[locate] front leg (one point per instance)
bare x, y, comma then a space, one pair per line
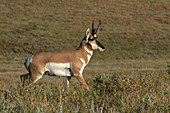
68, 83
81, 79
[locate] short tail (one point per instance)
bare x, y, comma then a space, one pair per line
28, 61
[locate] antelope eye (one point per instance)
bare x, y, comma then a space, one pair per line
91, 39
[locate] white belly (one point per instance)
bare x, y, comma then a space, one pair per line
60, 69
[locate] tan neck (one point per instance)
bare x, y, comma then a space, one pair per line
85, 48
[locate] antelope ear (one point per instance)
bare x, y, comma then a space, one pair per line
87, 34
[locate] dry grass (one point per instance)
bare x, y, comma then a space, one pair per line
113, 93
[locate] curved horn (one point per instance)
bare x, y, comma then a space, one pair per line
93, 30
98, 28
92, 24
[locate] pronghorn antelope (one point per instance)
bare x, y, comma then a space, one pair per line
66, 63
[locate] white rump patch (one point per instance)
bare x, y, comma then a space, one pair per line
60, 69
28, 62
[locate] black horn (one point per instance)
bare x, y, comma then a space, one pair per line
98, 28
93, 30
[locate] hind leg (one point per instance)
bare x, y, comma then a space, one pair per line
36, 72
24, 77
35, 77
32, 79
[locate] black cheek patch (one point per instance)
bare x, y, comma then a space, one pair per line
100, 45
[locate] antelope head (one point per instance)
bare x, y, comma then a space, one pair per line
92, 39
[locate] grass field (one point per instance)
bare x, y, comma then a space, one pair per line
131, 75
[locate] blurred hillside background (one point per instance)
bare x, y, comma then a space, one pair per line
132, 30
